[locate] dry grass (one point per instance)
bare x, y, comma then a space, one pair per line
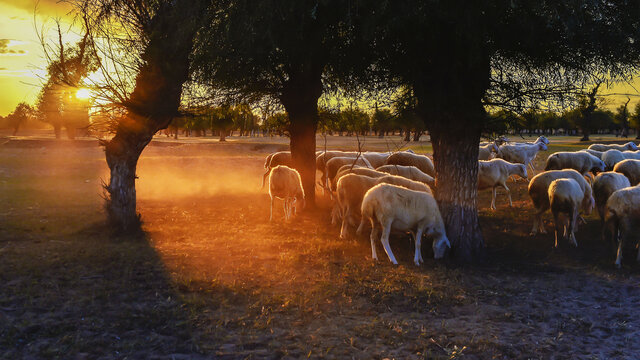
214, 278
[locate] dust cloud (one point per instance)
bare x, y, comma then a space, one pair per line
170, 177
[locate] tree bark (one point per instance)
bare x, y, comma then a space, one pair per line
455, 154
223, 136
585, 134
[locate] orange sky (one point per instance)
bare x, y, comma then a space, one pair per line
22, 64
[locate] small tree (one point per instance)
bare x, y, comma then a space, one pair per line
634, 120
22, 114
622, 118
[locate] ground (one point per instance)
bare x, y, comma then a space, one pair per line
213, 278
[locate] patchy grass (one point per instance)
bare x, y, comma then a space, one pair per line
213, 278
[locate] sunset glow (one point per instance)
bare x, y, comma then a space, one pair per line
83, 94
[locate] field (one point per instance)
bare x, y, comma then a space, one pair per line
213, 278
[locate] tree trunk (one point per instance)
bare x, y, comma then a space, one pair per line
57, 130
300, 100
152, 105
455, 153
223, 136
585, 134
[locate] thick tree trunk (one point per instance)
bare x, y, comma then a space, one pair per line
122, 153
223, 135
300, 100
455, 154
585, 134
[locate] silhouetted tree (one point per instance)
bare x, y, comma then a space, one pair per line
635, 119
622, 118
22, 114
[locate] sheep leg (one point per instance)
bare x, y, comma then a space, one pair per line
417, 258
335, 214
271, 210
538, 226
619, 255
373, 237
508, 193
343, 228
572, 227
493, 198
384, 239
556, 223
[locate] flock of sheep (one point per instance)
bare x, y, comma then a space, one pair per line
394, 191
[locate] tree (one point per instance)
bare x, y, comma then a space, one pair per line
284, 50
622, 118
155, 41
458, 57
20, 116
635, 120
587, 107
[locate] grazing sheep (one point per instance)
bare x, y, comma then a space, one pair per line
595, 153
323, 158
611, 158
622, 217
285, 184
376, 159
629, 168
580, 161
635, 155
409, 172
494, 173
602, 147
539, 192
351, 189
275, 159
605, 184
486, 152
522, 153
392, 207
336, 163
566, 197
422, 162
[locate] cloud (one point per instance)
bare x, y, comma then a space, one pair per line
5, 47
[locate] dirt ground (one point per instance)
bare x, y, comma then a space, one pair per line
213, 278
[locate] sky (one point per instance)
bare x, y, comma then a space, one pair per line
22, 61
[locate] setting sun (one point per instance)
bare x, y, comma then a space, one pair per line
83, 94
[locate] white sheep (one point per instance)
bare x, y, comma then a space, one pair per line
409, 172
324, 157
352, 187
285, 184
566, 198
539, 192
494, 173
522, 153
582, 162
611, 158
486, 152
622, 217
422, 162
336, 212
541, 139
605, 184
595, 153
392, 207
376, 159
274, 159
602, 147
629, 168
336, 163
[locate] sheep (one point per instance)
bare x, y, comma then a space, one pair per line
611, 158
629, 168
352, 187
635, 155
605, 184
602, 147
566, 196
486, 152
376, 159
336, 163
595, 153
275, 159
422, 162
541, 139
622, 217
539, 192
323, 158
522, 153
409, 172
494, 173
285, 183
580, 161
396, 208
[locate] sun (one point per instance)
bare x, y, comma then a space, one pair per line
83, 94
